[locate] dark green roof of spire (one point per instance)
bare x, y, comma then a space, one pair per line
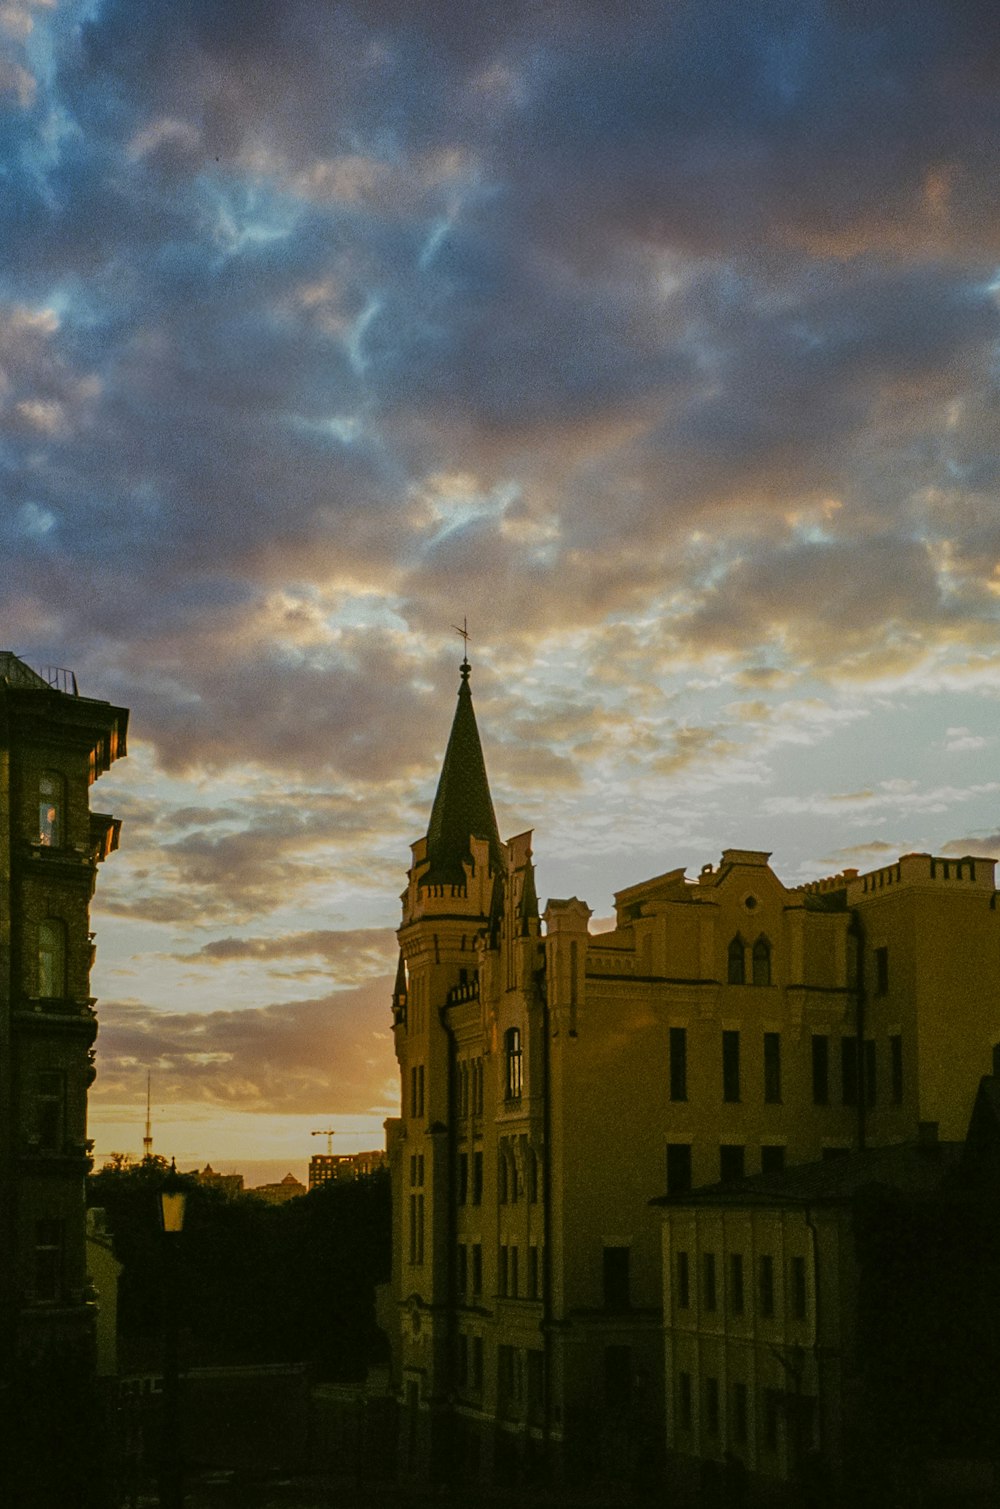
463, 807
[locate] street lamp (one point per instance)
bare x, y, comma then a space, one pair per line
173, 1198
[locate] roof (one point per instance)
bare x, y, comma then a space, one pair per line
463, 807
909, 1167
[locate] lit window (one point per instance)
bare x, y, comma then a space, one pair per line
51, 790
515, 1063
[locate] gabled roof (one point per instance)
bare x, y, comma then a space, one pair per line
463, 807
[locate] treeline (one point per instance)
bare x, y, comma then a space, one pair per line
255, 1282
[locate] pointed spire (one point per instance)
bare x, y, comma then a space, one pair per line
463, 807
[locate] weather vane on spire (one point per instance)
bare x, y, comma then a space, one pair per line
464, 631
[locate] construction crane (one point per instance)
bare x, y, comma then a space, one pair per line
329, 1133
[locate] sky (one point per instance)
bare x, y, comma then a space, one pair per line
658, 339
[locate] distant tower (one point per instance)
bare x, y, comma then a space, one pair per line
147, 1141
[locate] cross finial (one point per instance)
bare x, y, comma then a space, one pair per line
464, 631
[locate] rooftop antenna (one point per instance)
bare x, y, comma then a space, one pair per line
464, 631
147, 1141
328, 1133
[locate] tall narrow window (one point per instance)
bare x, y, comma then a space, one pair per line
49, 1240
772, 1067
799, 1296
462, 1270
896, 1067
730, 1066
766, 1276
52, 957
616, 1278
881, 971
678, 1167
821, 1069
514, 1062
870, 1071
51, 801
736, 1283
737, 962
683, 1281
849, 1071
740, 1414
477, 1268
503, 1269
708, 1289
534, 1289
712, 1406
678, 1063
732, 1161
477, 1178
50, 1103
684, 1401
762, 961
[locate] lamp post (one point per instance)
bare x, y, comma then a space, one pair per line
173, 1198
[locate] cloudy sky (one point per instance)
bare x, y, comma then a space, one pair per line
660, 339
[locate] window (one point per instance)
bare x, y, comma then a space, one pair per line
848, 1071
476, 1379
762, 961
712, 1406
534, 1288
678, 1167
881, 971
462, 1360
463, 1178
514, 1062
616, 1278
416, 1230
736, 1283
50, 1100
417, 1090
684, 1401
678, 1063
896, 1068
507, 1375
617, 1377
821, 1069
766, 1273
515, 1287
772, 1403
740, 1414
708, 1290
870, 1063
51, 800
477, 1087
772, 1067
683, 1281
462, 1271
477, 1178
477, 1268
503, 1270
536, 1387
799, 1288
52, 958
736, 965
772, 1159
49, 1239
732, 1161
730, 1066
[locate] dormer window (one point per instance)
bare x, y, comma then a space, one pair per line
51, 804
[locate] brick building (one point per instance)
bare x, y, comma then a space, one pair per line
54, 744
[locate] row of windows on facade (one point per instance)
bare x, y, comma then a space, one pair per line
850, 1078
740, 1412
520, 1373
732, 1162
760, 964
736, 1296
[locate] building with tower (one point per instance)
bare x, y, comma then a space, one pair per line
53, 745
555, 1082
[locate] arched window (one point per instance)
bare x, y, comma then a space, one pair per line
762, 961
737, 962
52, 957
514, 1062
51, 803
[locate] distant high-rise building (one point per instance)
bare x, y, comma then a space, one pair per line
331, 1168
53, 746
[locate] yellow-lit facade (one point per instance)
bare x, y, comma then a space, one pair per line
554, 1082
